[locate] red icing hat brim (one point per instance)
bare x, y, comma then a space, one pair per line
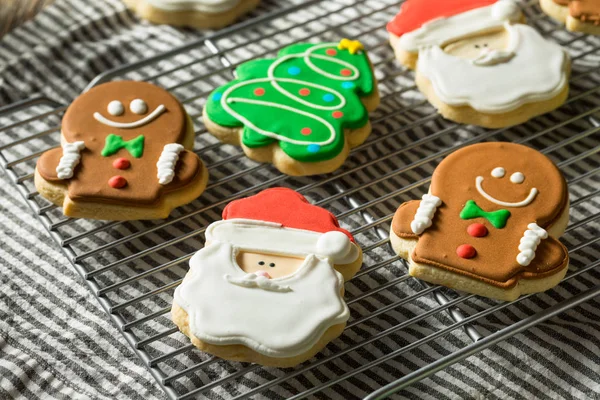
286, 207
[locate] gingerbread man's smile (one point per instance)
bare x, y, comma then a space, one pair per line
517, 177
137, 106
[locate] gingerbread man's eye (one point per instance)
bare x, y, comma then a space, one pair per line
138, 106
115, 108
498, 172
517, 177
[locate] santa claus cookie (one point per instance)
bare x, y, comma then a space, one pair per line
123, 155
302, 111
476, 64
489, 224
268, 286
202, 14
578, 15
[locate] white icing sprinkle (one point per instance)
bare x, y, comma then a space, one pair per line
517, 177
69, 160
529, 243
425, 212
498, 172
166, 162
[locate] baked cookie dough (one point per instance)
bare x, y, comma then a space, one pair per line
268, 286
201, 14
577, 15
124, 155
489, 224
476, 64
302, 111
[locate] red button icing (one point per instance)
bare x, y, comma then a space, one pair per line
466, 251
117, 182
121, 163
477, 230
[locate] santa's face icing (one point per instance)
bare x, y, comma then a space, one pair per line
483, 50
268, 265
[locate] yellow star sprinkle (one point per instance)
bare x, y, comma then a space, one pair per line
353, 46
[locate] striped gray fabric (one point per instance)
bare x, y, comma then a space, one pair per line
56, 342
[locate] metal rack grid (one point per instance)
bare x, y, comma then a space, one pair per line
133, 267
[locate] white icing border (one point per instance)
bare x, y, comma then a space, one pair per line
69, 159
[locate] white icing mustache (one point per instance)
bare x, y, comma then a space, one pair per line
492, 57
257, 281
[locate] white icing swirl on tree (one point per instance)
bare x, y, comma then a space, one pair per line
166, 162
425, 212
529, 243
69, 160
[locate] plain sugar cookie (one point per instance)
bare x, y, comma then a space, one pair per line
476, 64
489, 224
577, 15
124, 155
201, 14
268, 286
302, 111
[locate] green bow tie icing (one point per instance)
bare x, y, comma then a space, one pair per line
302, 100
115, 143
496, 218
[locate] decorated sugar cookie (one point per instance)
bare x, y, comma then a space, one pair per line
268, 286
578, 15
489, 224
476, 64
124, 155
302, 111
202, 14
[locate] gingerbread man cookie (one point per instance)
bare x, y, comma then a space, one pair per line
268, 286
477, 64
302, 111
578, 15
123, 156
489, 224
201, 14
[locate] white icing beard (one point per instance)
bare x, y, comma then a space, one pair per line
535, 72
207, 6
227, 306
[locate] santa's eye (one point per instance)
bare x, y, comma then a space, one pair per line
261, 263
476, 46
115, 108
272, 265
138, 106
517, 177
485, 45
498, 172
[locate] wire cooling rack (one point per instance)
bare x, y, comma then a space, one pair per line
133, 267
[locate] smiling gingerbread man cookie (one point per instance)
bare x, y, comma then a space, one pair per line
577, 15
123, 155
268, 286
489, 224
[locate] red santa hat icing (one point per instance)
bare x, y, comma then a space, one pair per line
436, 22
281, 221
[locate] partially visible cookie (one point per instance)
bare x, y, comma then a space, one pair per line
302, 111
578, 15
201, 14
489, 224
125, 155
268, 286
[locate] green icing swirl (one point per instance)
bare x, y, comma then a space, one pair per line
304, 99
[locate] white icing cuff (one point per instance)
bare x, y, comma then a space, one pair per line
166, 162
529, 243
69, 160
425, 213
273, 238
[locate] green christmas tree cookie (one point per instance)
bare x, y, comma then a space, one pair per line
302, 110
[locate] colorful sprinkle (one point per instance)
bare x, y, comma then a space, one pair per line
304, 92
306, 131
337, 114
477, 230
313, 148
294, 70
117, 182
328, 97
331, 52
346, 72
466, 251
348, 85
217, 96
121, 163
259, 91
